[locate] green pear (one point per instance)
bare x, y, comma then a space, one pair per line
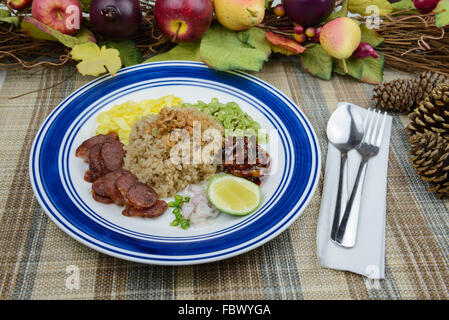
239, 14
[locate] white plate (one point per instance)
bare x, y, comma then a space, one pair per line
57, 175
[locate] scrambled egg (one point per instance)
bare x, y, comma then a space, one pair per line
120, 118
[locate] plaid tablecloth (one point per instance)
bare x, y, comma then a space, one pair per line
37, 258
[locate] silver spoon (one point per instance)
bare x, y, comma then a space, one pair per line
345, 131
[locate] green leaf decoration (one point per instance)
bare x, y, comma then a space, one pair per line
317, 62
370, 36
129, 54
5, 16
368, 70
373, 69
255, 38
368, 7
355, 67
222, 49
4, 13
85, 35
85, 5
403, 5
188, 51
38, 30
338, 68
11, 20
96, 61
34, 32
268, 3
278, 49
442, 14
341, 12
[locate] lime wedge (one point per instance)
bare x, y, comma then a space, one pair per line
234, 195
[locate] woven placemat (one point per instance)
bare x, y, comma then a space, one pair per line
38, 261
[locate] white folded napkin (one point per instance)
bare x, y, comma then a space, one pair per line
367, 257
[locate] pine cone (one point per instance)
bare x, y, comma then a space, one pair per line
404, 95
430, 157
432, 114
397, 95
428, 81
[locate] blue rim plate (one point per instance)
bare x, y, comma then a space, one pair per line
56, 174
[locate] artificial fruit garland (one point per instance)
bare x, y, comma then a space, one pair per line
244, 35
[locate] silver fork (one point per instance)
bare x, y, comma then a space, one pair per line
368, 148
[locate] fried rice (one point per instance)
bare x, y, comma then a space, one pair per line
149, 153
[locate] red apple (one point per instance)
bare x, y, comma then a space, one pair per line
184, 20
19, 4
62, 15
